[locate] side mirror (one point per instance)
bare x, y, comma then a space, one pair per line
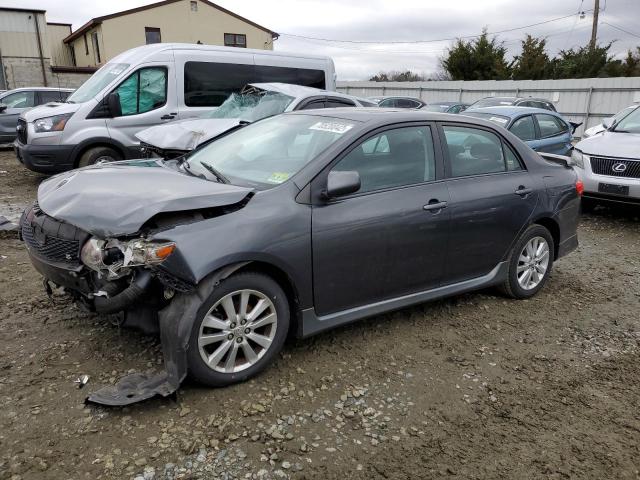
607, 123
113, 102
342, 183
3, 107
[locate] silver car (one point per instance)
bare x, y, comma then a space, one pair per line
609, 163
14, 102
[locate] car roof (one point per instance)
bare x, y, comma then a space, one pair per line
40, 89
512, 111
299, 91
446, 103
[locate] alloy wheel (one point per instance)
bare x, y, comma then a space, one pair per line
533, 263
237, 331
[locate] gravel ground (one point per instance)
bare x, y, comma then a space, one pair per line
475, 386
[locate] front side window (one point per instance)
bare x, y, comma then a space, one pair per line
24, 99
269, 152
99, 80
143, 91
524, 129
473, 151
388, 103
235, 40
630, 123
152, 35
550, 125
52, 96
395, 158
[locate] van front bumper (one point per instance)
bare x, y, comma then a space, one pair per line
44, 158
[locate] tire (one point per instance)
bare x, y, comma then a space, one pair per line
512, 286
95, 154
225, 339
587, 205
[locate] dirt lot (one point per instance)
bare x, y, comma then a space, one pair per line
471, 387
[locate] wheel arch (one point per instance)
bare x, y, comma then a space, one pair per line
82, 147
554, 229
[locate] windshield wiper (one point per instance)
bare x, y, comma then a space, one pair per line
221, 178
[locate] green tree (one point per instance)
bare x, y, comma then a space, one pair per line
584, 62
479, 59
406, 76
631, 64
533, 63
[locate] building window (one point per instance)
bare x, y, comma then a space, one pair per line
86, 45
194, 6
96, 47
235, 40
72, 52
152, 35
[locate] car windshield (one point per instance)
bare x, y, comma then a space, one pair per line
493, 102
492, 117
623, 113
436, 108
252, 106
97, 82
269, 152
630, 123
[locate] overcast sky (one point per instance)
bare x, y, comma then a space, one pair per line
396, 21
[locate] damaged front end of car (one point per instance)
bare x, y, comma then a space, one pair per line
115, 255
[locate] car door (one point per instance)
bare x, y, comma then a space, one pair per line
555, 134
15, 104
492, 198
147, 98
389, 238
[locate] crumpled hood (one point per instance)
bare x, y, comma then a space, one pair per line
118, 198
611, 144
48, 110
186, 134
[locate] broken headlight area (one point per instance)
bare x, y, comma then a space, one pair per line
115, 258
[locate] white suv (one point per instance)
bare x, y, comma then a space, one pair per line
609, 163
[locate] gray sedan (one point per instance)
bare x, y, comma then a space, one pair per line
296, 224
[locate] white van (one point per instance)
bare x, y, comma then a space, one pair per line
147, 86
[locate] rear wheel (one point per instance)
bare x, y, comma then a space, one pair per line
98, 154
530, 263
239, 330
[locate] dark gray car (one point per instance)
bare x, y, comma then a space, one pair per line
14, 102
296, 224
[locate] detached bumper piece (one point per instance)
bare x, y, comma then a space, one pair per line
134, 388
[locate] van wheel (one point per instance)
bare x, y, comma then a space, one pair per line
98, 154
239, 330
530, 263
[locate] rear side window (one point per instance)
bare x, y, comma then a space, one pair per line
406, 103
143, 91
523, 128
208, 84
52, 96
474, 152
550, 125
395, 158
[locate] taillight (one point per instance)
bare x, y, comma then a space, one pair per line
580, 187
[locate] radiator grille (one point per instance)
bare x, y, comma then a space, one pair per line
615, 167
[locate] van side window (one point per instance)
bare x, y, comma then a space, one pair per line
208, 84
143, 91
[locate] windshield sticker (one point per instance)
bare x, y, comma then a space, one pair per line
332, 127
278, 177
498, 120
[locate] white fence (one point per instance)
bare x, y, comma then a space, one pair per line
586, 100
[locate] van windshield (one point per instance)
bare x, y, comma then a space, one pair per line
97, 82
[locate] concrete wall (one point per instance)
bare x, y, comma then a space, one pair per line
586, 100
26, 72
60, 52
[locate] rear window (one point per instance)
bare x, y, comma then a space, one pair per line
493, 102
209, 84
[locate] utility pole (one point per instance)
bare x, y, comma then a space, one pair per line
594, 28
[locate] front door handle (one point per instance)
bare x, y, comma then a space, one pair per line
523, 191
434, 205
168, 117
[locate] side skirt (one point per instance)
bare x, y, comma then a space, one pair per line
313, 324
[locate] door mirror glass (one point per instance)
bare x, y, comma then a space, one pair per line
113, 101
342, 183
607, 122
3, 107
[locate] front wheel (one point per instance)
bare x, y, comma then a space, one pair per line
239, 330
530, 263
98, 155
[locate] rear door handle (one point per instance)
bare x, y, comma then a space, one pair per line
523, 191
168, 117
434, 205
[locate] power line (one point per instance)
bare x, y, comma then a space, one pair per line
432, 40
622, 30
